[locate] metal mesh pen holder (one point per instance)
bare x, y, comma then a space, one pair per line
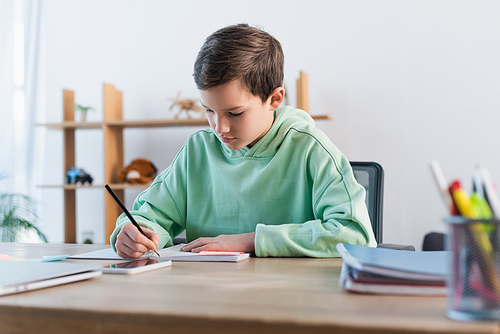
474, 280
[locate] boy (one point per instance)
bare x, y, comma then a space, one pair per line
263, 179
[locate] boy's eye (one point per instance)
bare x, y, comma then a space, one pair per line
208, 110
236, 115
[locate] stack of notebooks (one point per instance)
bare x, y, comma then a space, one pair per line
393, 272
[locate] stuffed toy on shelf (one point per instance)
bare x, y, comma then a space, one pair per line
138, 171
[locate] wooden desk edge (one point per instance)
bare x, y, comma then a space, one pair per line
24, 319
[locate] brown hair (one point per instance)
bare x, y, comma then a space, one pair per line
240, 52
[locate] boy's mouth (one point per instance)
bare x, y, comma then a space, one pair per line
227, 140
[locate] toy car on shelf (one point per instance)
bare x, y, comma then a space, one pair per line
75, 175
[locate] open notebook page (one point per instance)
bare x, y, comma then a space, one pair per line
170, 253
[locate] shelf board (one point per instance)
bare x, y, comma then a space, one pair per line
128, 185
161, 123
72, 125
158, 123
117, 186
321, 117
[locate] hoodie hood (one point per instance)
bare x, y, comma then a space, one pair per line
285, 119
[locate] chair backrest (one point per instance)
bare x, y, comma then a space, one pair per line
371, 176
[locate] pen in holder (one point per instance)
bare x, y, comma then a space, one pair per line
474, 280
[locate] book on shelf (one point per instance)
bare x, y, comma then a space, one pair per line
388, 271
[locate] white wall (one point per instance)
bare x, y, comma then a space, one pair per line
405, 81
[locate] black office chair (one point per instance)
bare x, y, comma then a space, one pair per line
371, 176
434, 241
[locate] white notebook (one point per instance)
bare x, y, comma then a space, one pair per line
20, 276
171, 253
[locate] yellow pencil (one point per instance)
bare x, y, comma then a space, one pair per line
462, 201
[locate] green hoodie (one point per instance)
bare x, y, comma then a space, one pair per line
294, 188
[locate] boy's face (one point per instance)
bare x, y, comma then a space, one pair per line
239, 118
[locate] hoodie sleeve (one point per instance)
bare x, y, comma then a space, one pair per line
339, 208
156, 208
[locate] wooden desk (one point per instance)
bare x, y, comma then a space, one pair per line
255, 296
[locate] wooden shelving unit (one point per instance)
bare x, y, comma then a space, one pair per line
112, 127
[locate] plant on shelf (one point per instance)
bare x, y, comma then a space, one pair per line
18, 215
83, 111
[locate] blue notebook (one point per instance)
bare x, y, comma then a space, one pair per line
431, 266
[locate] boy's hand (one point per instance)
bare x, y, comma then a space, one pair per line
244, 242
130, 243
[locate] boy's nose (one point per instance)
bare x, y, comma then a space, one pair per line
222, 125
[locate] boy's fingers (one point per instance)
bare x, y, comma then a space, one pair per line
125, 247
196, 244
137, 237
207, 247
154, 237
187, 247
136, 247
148, 232
127, 252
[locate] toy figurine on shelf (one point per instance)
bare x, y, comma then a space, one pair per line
186, 105
75, 175
138, 171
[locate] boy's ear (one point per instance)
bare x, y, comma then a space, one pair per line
276, 97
